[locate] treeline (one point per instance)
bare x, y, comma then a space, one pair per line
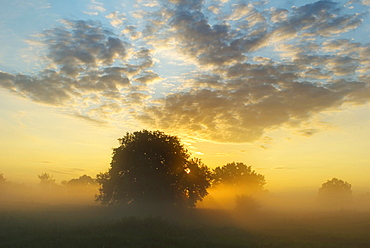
152, 169
77, 191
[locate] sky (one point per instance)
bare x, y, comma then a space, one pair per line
282, 86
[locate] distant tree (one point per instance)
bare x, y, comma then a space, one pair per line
2, 179
246, 204
335, 194
84, 181
80, 190
150, 167
46, 180
239, 174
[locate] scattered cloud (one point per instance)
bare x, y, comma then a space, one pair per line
90, 13
86, 61
253, 71
151, 3
242, 98
97, 6
116, 19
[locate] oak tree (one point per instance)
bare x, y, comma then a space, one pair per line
151, 167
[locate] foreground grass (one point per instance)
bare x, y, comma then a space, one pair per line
93, 227
127, 232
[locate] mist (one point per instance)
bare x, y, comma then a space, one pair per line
222, 197
67, 212
25, 197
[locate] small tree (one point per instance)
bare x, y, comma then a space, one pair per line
82, 181
240, 175
237, 183
46, 180
245, 204
81, 190
335, 194
153, 168
2, 179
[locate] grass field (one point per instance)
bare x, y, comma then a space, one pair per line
93, 226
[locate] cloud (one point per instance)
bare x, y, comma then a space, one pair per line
137, 98
63, 172
242, 111
46, 88
238, 96
309, 132
214, 9
252, 71
88, 64
279, 15
90, 13
67, 171
151, 3
74, 51
148, 77
89, 119
97, 6
116, 19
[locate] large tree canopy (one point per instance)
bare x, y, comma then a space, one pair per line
152, 167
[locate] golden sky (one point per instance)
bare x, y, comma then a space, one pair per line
283, 87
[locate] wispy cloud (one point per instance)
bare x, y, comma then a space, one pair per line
90, 13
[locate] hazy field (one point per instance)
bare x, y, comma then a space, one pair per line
69, 217
95, 226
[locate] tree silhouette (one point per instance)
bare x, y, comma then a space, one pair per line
46, 180
83, 181
2, 178
239, 174
335, 194
150, 167
246, 205
80, 190
82, 185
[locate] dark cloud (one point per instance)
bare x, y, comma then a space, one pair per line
80, 44
86, 61
147, 77
243, 110
195, 37
47, 87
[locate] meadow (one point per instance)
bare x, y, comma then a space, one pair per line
96, 226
